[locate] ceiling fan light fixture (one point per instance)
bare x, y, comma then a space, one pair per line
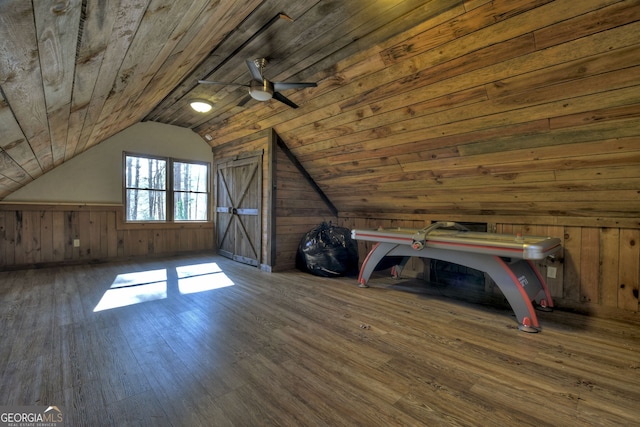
261, 91
200, 105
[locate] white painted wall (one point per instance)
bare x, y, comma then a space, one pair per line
95, 176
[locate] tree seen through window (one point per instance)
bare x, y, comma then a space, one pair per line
190, 191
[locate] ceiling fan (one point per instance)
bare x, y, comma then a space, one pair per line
262, 89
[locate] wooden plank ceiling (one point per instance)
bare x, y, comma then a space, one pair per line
519, 107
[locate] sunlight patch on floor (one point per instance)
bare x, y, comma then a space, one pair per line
134, 288
140, 278
201, 277
143, 286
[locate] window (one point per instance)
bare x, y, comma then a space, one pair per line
190, 191
147, 183
146, 188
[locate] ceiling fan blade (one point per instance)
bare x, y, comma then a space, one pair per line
254, 70
280, 97
278, 86
210, 82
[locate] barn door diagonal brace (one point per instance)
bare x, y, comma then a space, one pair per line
246, 186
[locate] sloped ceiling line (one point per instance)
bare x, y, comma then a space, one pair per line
305, 174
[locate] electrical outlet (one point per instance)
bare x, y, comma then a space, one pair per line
551, 272
76, 243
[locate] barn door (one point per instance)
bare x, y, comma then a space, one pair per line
238, 202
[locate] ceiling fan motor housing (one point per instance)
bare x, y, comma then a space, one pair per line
261, 91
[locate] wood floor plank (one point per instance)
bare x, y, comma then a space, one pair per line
280, 401
140, 410
174, 385
352, 396
119, 373
238, 408
290, 348
320, 395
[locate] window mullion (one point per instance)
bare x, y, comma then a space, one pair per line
170, 191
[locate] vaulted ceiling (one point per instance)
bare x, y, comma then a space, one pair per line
513, 107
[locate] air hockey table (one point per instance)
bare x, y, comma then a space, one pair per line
507, 259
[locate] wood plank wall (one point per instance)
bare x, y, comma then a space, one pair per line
33, 235
597, 270
298, 209
523, 107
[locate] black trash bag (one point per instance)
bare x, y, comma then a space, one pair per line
328, 251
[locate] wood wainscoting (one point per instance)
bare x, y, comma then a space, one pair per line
244, 347
41, 234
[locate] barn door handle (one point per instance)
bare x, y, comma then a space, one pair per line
234, 211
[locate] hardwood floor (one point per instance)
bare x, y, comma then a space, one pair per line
227, 344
